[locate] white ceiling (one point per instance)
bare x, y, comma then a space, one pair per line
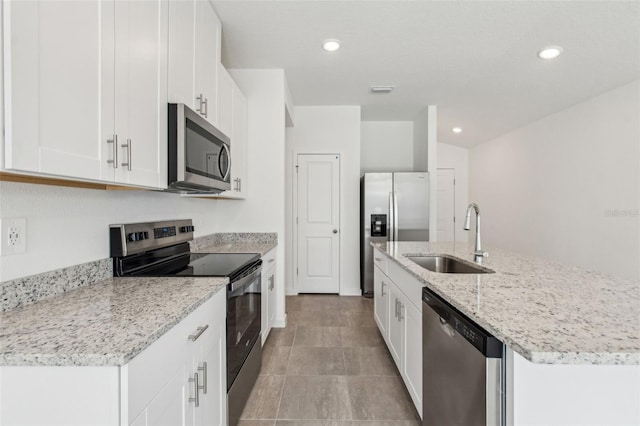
475, 60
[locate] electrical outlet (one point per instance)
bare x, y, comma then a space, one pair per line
14, 236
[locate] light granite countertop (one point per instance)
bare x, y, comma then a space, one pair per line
545, 311
104, 324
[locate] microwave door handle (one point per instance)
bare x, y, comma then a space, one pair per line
225, 173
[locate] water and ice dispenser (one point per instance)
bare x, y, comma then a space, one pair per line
378, 225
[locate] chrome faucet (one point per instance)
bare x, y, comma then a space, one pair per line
478, 253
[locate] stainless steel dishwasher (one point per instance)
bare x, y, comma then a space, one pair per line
462, 369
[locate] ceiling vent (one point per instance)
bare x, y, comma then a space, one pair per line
381, 89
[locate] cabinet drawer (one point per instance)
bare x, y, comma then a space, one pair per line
269, 259
380, 260
407, 283
150, 371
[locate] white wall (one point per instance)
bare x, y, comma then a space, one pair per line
331, 129
457, 158
420, 140
68, 226
263, 210
386, 146
568, 186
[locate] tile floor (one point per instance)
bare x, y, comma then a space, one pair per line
328, 367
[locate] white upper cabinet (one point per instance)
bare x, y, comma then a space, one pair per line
56, 99
225, 102
194, 54
141, 92
81, 80
233, 116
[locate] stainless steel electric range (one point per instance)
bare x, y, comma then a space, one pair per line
162, 249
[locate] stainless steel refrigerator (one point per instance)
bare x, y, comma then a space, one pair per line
393, 207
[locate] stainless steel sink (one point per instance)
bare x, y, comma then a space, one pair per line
448, 265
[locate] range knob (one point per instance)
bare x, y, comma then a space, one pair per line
138, 236
189, 228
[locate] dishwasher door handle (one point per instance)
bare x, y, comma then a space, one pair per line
449, 331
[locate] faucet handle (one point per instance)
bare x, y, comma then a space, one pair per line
481, 253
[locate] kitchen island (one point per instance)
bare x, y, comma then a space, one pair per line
572, 336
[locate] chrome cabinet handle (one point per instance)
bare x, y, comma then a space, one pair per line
203, 104
383, 286
378, 259
128, 146
196, 389
239, 185
400, 314
396, 308
271, 260
204, 377
198, 333
114, 141
206, 107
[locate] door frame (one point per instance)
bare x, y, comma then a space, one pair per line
294, 222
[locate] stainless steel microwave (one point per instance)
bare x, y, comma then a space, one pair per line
199, 156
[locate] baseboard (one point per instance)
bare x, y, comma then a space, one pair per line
351, 292
280, 322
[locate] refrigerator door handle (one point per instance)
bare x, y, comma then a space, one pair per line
391, 217
395, 216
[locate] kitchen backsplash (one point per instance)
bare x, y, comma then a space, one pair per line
234, 237
28, 290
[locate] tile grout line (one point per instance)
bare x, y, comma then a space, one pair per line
284, 382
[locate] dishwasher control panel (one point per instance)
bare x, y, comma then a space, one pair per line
481, 339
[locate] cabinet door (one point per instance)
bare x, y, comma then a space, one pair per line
238, 146
58, 96
166, 408
412, 353
396, 326
181, 54
225, 103
381, 301
141, 92
207, 57
272, 295
213, 406
264, 305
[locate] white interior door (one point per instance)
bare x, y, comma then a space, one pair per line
318, 219
446, 205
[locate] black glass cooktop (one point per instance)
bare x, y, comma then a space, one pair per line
166, 262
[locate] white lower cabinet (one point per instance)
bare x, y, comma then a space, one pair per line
398, 313
381, 300
268, 299
179, 380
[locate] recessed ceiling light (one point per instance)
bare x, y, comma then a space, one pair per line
550, 52
456, 130
331, 45
381, 89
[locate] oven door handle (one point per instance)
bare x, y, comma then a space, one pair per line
245, 280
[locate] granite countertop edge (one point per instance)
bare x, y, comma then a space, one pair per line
519, 343
135, 341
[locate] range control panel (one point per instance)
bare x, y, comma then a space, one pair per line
132, 238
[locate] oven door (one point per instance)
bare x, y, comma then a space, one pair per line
243, 321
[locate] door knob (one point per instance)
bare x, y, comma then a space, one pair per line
335, 231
